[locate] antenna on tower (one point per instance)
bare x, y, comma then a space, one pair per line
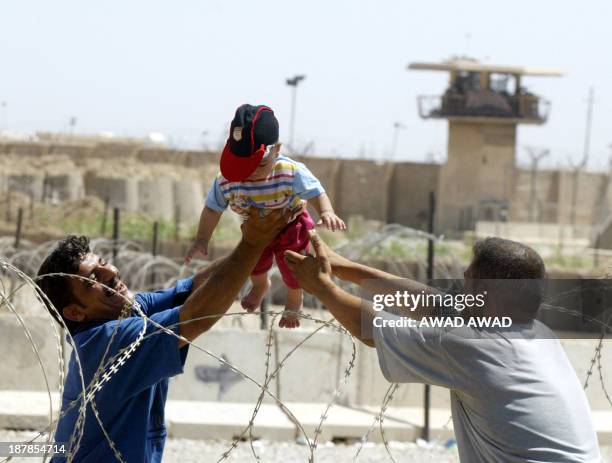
468, 38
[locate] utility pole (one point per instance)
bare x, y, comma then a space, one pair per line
589, 120
72, 122
204, 135
293, 82
602, 211
576, 168
4, 125
397, 126
536, 156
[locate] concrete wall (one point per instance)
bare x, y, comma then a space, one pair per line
537, 233
311, 374
553, 193
19, 369
411, 184
478, 169
383, 191
537, 202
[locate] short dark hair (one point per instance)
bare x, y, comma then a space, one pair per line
65, 258
498, 258
501, 259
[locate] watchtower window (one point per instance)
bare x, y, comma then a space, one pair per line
466, 81
502, 83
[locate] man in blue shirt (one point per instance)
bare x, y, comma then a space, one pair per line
129, 395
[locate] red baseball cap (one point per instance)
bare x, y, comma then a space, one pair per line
252, 129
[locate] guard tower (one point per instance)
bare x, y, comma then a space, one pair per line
483, 105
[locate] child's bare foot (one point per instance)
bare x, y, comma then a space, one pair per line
291, 317
253, 298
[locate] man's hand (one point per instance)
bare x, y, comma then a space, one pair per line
313, 273
259, 229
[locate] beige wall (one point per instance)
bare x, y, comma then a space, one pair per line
553, 193
480, 166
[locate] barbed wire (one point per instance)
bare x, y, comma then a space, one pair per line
140, 266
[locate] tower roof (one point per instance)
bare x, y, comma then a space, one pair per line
476, 66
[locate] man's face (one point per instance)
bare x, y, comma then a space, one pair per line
92, 301
265, 166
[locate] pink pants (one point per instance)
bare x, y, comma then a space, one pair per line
294, 237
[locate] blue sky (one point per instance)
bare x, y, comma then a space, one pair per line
181, 68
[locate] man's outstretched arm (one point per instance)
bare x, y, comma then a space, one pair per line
314, 275
214, 296
376, 281
371, 279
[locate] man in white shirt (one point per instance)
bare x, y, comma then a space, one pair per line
514, 395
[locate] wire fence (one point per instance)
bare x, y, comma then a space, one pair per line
143, 271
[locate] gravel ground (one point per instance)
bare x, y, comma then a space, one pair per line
186, 451
192, 451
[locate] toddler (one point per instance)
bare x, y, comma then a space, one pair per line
254, 173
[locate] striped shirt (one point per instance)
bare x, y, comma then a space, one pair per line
289, 184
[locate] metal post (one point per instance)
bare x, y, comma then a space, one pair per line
115, 232
104, 216
263, 316
154, 242
293, 82
397, 126
31, 205
430, 241
430, 276
8, 205
292, 120
4, 125
177, 221
18, 231
154, 252
45, 188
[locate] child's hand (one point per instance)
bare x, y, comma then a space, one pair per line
199, 246
331, 221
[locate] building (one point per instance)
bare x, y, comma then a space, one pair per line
484, 104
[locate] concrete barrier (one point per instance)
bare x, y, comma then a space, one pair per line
189, 196
205, 378
65, 187
20, 369
156, 198
310, 375
212, 420
28, 184
120, 192
313, 372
